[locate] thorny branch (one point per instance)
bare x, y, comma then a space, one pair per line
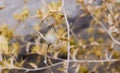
102, 25
109, 8
68, 33
63, 60
68, 47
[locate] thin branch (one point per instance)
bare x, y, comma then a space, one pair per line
101, 24
114, 40
68, 34
87, 61
110, 11
74, 35
62, 61
35, 69
41, 35
95, 61
45, 60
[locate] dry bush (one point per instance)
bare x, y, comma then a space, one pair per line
55, 47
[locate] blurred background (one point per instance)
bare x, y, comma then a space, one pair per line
11, 7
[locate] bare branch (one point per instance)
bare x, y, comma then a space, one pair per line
27, 69
102, 25
41, 35
68, 34
94, 61
87, 61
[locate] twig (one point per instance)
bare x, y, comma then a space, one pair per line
68, 34
35, 69
110, 11
45, 60
74, 35
95, 61
101, 24
71, 61
87, 61
41, 35
114, 40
